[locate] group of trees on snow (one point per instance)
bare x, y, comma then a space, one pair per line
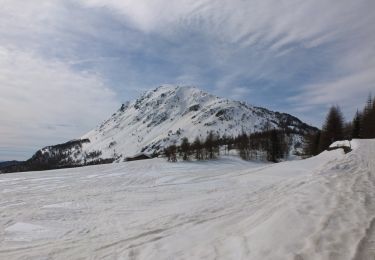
335, 128
199, 150
271, 145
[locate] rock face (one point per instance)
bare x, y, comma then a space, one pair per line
163, 116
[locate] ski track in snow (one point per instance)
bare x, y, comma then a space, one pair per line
319, 208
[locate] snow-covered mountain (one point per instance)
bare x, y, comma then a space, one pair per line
163, 116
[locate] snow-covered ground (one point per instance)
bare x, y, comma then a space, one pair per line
319, 208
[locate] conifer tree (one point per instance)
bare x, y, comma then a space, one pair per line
171, 153
357, 123
197, 147
368, 119
211, 146
332, 129
185, 149
243, 145
277, 146
167, 154
312, 144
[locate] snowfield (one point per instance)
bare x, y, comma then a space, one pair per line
319, 208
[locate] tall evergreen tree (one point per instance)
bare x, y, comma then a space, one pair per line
368, 119
332, 129
274, 146
347, 130
171, 153
243, 145
211, 146
197, 147
185, 149
312, 144
357, 124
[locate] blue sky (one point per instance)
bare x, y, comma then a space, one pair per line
67, 65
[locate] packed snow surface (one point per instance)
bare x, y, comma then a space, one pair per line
319, 208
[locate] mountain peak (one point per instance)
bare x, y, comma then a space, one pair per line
182, 92
164, 115
171, 87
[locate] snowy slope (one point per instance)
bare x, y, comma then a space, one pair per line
164, 115
320, 208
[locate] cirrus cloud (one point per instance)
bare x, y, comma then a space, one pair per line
45, 101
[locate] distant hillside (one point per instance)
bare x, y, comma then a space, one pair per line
9, 165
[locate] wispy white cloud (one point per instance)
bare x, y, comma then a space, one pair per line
43, 101
349, 91
270, 32
247, 22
